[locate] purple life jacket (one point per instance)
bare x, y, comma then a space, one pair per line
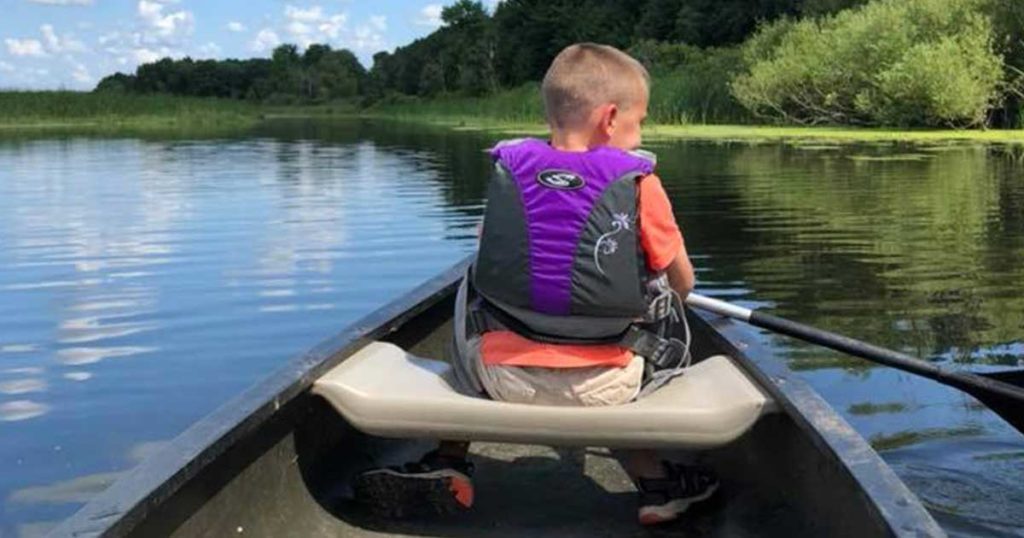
560, 251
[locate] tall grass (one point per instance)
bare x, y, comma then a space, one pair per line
677, 98
516, 105
25, 108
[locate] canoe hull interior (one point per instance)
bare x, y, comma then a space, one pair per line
291, 478
278, 461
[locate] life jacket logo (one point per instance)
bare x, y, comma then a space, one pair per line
560, 179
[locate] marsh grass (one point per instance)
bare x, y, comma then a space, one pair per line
514, 112
515, 106
911, 437
822, 137
64, 108
868, 408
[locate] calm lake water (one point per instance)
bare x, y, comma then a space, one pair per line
144, 282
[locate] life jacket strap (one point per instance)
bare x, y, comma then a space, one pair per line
660, 352
474, 316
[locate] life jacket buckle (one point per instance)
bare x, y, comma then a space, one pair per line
660, 307
670, 353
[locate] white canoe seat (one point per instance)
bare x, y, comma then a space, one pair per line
384, 391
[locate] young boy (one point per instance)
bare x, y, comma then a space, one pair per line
558, 267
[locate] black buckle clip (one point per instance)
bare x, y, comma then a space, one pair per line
669, 353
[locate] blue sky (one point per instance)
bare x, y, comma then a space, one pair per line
73, 43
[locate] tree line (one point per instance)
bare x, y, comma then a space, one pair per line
877, 62
317, 74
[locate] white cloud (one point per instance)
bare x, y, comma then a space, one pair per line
307, 25
366, 38
82, 76
313, 14
145, 56
430, 15
63, 2
209, 50
59, 44
25, 47
265, 40
332, 27
236, 26
164, 26
52, 41
312, 25
161, 31
299, 30
6, 67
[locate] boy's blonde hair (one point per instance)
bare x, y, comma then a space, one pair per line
587, 75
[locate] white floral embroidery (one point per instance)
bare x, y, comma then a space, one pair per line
606, 245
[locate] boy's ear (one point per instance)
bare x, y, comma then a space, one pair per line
609, 118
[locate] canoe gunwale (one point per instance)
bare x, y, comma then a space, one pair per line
900, 509
119, 509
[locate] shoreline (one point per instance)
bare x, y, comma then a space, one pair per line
736, 133
654, 133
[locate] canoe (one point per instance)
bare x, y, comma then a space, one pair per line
279, 459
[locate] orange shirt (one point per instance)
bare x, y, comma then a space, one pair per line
660, 240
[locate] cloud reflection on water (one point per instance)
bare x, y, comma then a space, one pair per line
18, 410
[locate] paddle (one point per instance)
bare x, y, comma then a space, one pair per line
998, 391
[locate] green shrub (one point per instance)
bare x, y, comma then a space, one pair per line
691, 84
890, 62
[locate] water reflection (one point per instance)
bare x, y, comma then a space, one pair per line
833, 239
22, 386
72, 492
15, 410
75, 491
147, 282
78, 356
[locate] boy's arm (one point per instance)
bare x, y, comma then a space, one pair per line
660, 237
680, 274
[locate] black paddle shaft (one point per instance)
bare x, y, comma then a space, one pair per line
1004, 399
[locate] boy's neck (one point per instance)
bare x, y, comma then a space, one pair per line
575, 141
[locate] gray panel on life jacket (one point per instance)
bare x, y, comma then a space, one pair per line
576, 327
504, 256
608, 273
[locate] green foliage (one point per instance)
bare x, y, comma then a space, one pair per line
529, 33
890, 62
116, 83
457, 58
520, 105
320, 74
19, 108
952, 81
1008, 20
817, 8
691, 84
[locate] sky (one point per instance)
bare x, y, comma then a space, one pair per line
71, 44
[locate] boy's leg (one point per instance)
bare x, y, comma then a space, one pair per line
455, 450
439, 483
666, 489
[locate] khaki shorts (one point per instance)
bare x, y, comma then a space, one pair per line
592, 386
